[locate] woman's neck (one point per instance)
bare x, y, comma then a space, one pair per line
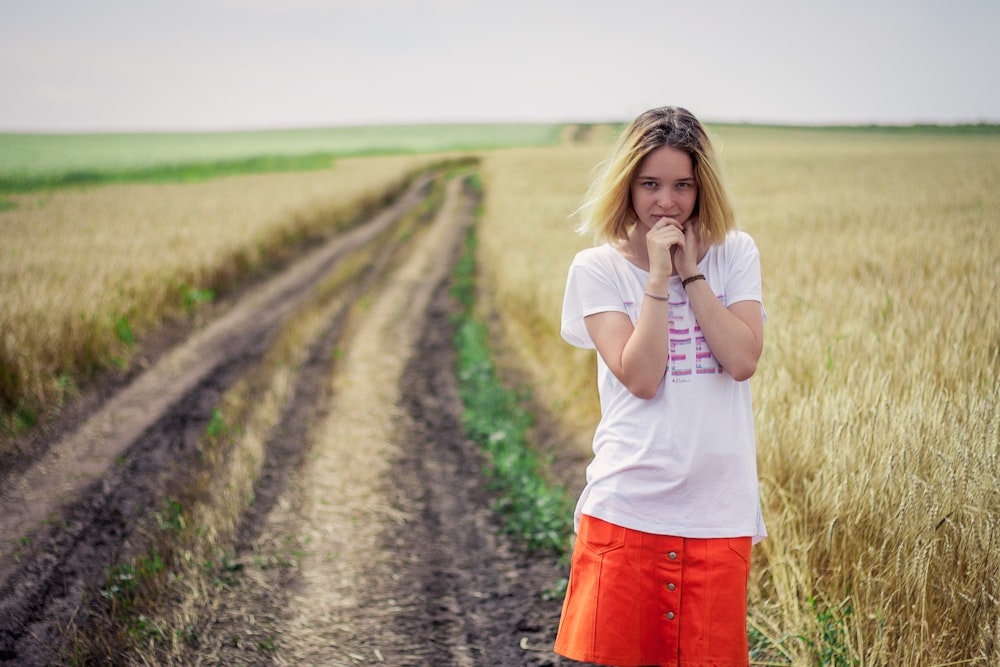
634, 248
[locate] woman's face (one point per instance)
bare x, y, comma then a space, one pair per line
664, 186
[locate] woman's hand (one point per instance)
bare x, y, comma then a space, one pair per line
665, 235
672, 248
685, 255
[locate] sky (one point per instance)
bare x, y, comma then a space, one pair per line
203, 65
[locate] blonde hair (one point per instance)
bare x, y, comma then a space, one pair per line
607, 212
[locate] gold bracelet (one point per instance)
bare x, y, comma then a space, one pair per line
691, 279
657, 297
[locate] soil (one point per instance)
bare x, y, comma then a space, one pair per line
371, 539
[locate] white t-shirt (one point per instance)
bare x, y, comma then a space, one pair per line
684, 462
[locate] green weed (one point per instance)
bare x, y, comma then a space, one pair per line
498, 420
171, 516
25, 417
120, 585
217, 427
192, 297
124, 330
830, 648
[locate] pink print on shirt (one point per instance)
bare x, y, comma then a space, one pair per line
689, 354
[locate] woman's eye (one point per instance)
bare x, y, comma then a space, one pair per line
649, 184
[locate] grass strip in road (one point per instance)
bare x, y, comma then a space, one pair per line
498, 419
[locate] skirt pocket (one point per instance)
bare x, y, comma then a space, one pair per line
599, 536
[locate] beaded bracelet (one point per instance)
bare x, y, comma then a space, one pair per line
691, 279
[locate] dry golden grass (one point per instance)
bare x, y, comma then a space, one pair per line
83, 270
876, 398
526, 243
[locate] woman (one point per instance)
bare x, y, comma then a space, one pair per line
671, 301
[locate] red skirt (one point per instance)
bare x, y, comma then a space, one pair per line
637, 599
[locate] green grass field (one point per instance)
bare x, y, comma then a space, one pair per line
44, 161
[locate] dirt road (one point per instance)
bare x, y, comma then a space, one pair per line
370, 540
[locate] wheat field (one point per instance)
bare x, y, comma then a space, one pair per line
84, 273
876, 397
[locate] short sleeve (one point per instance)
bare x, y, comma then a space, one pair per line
743, 281
590, 288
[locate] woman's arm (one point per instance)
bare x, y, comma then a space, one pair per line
636, 355
735, 335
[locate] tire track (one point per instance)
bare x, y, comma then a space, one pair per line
330, 525
73, 511
385, 549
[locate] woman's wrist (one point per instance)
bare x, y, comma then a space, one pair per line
684, 274
691, 278
658, 289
